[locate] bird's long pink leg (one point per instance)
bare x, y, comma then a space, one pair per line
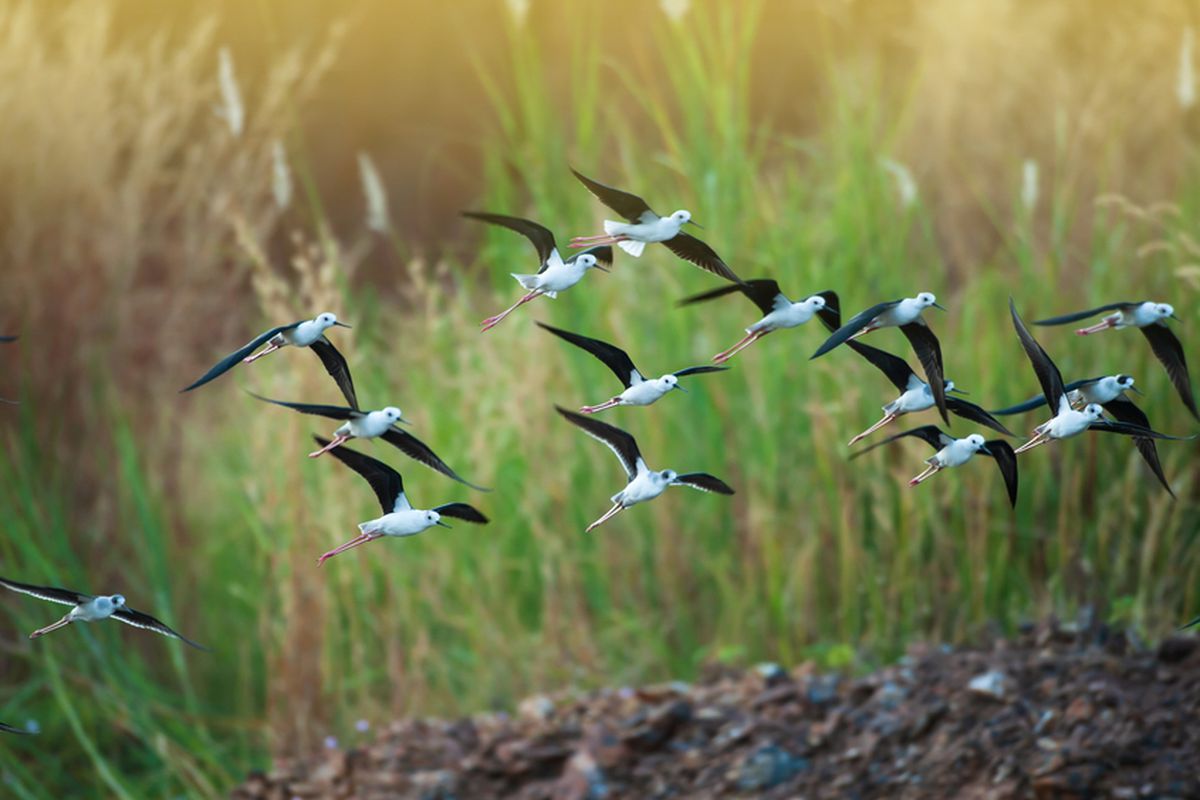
612, 512
271, 348
492, 322
721, 358
605, 239
338, 440
362, 538
1102, 325
887, 419
616, 401
591, 238
1037, 441
928, 473
43, 631
863, 331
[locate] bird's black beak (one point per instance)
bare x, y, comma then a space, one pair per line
693, 222
444, 525
680, 388
1137, 391
957, 390
1177, 319
985, 450
342, 325
601, 267
939, 305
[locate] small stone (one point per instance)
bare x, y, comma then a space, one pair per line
992, 684
771, 673
769, 767
1080, 710
537, 708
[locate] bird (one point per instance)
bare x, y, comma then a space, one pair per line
1108, 392
305, 333
953, 452
1151, 319
904, 314
779, 312
639, 390
644, 483
1067, 421
399, 517
91, 608
643, 226
374, 424
915, 394
13, 729
554, 275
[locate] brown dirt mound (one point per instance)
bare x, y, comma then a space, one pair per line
1057, 713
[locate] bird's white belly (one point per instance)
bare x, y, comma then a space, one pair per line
789, 317
658, 231
303, 334
642, 394
639, 490
366, 427
912, 401
560, 279
398, 523
1067, 424
954, 456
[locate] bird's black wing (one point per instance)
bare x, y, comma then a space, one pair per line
895, 368
539, 235
146, 622
415, 449
630, 206
332, 412
697, 370
620, 442
711, 294
1129, 429
385, 481
462, 511
336, 366
1125, 411
853, 326
1078, 315
1047, 373
65, 596
230, 361
930, 434
613, 357
929, 353
1006, 459
763, 292
12, 729
1169, 350
975, 413
704, 482
691, 249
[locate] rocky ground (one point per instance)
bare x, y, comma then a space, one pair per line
1060, 712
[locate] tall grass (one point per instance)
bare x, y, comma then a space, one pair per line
203, 508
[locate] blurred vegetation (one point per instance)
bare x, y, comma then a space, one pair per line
976, 150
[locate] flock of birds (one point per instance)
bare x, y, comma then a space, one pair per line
1075, 407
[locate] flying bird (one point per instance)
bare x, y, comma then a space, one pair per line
399, 517
554, 275
1151, 319
906, 315
953, 452
1109, 393
643, 226
305, 333
779, 312
915, 394
13, 729
639, 390
92, 608
1067, 421
644, 483
374, 424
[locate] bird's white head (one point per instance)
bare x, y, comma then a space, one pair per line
434, 518
682, 216
118, 600
816, 302
393, 415
926, 299
669, 381
976, 441
587, 261
328, 320
1164, 310
1125, 381
948, 386
668, 475
1093, 411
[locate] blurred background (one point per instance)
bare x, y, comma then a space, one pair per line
176, 177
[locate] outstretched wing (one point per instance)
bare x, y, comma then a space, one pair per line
1129, 429
146, 622
462, 511
1168, 349
697, 370
415, 449
704, 482
1006, 459
385, 481
613, 357
65, 596
691, 249
929, 353
630, 206
621, 443
338, 369
1125, 411
974, 413
853, 326
228, 362
1091, 312
763, 292
331, 412
1043, 366
931, 434
539, 235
